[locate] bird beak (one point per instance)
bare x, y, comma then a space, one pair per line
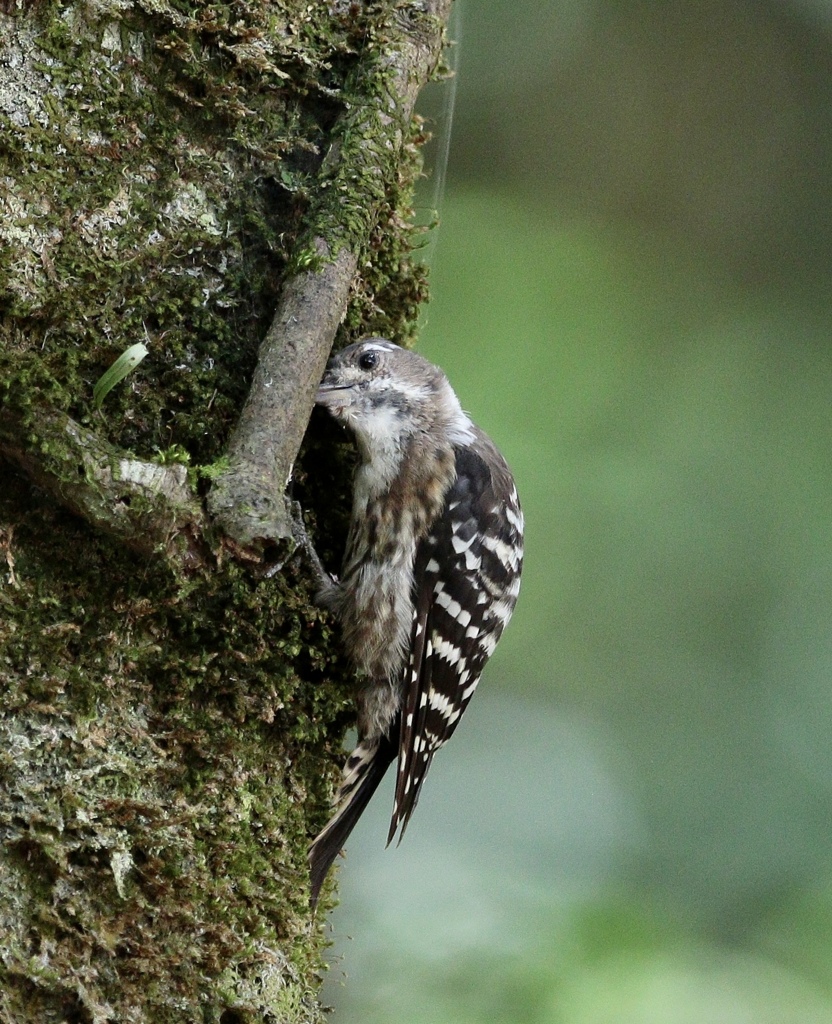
330, 393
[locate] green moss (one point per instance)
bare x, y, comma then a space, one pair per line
159, 209
167, 743
168, 751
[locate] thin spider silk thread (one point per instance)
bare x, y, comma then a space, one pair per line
442, 129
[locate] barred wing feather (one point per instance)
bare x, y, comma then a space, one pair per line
467, 575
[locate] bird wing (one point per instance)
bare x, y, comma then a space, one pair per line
467, 574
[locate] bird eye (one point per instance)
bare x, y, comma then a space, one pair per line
367, 360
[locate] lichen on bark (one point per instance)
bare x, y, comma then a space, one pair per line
169, 713
162, 743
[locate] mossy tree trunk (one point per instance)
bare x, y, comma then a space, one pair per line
229, 185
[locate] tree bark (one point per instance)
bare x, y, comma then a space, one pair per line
230, 185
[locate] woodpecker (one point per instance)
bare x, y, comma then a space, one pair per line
430, 576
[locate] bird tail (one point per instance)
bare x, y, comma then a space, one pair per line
363, 772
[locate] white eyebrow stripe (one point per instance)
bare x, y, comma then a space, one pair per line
378, 346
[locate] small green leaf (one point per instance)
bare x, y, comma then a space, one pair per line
126, 363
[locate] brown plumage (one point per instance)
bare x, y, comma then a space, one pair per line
431, 572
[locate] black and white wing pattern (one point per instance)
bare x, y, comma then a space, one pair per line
466, 582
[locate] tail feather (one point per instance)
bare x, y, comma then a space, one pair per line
363, 772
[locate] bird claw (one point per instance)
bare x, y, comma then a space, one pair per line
303, 545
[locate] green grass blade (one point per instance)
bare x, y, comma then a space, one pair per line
126, 363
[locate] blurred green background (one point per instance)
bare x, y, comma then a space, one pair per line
631, 293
